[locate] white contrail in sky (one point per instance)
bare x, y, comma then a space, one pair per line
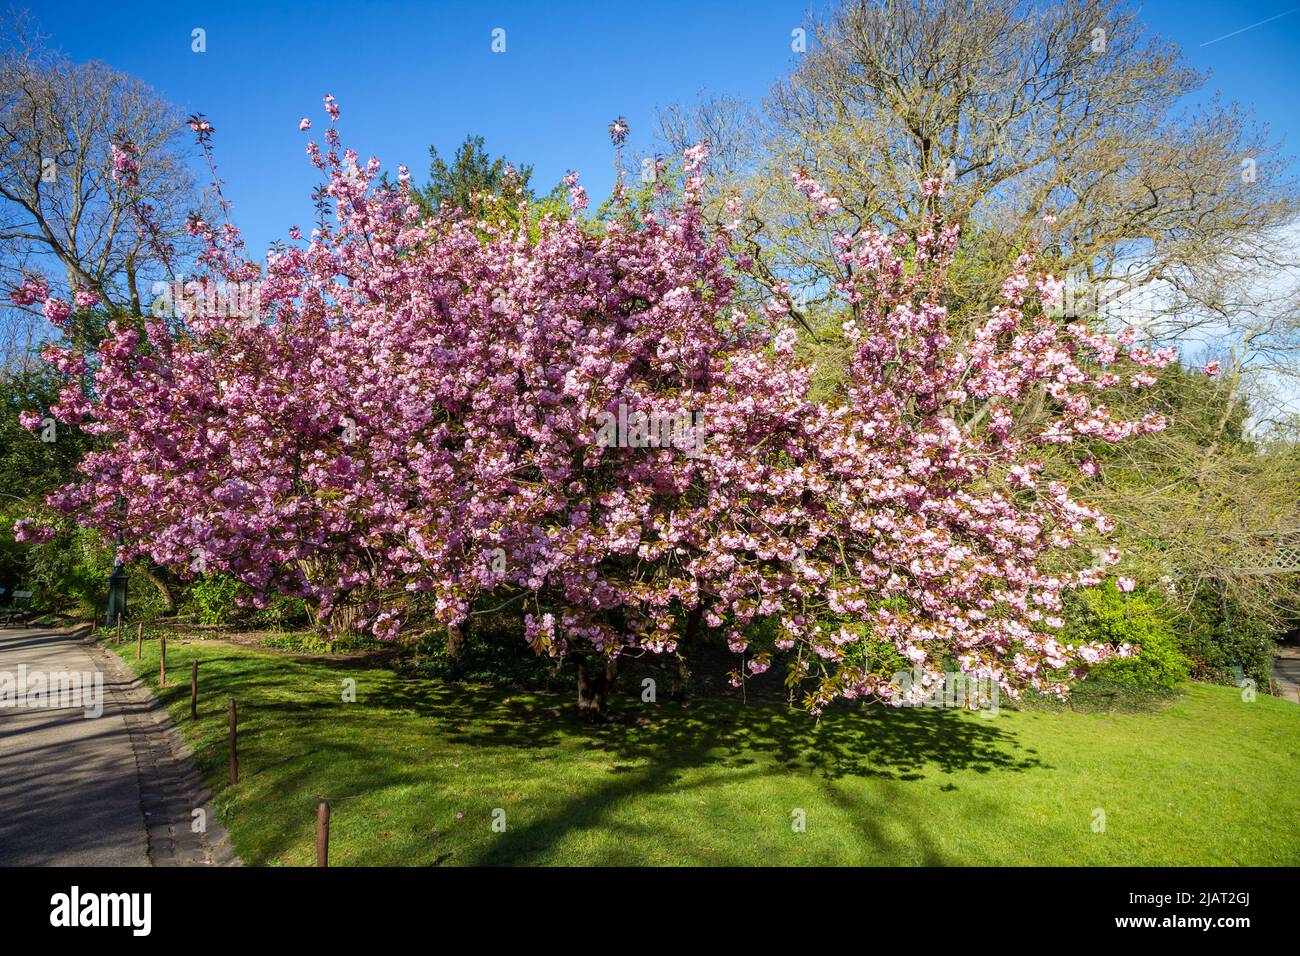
1251, 27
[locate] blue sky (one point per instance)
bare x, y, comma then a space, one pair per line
409, 74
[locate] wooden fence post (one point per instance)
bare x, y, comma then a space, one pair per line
323, 834
234, 753
162, 660
139, 639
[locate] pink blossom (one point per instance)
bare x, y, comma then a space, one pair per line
31, 291
125, 165
57, 310
577, 194
933, 186
1050, 290
27, 531
826, 203
86, 298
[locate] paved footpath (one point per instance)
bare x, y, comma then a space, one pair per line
1286, 673
118, 789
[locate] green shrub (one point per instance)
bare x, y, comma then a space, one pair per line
214, 597
214, 600
313, 642
1225, 644
492, 651
282, 613
70, 572
143, 602
1106, 615
300, 642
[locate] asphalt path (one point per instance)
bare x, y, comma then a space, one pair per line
69, 785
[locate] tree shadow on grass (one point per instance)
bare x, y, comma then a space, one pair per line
653, 747
648, 749
870, 742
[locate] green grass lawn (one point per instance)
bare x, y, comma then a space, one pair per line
415, 769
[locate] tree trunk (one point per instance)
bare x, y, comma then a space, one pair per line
165, 592
594, 682
685, 654
457, 635
133, 290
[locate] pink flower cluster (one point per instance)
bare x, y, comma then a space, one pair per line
126, 165
823, 200
32, 290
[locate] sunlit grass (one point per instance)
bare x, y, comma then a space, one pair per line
414, 771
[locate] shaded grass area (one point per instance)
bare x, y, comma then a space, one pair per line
415, 770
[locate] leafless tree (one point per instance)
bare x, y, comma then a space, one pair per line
1068, 108
61, 214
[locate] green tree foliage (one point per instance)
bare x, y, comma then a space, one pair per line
213, 598
1226, 644
1198, 506
472, 181
488, 188
31, 468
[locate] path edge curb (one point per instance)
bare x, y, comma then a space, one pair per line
216, 839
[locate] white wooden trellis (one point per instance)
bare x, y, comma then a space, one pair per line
1283, 558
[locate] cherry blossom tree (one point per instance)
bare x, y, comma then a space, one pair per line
931, 535
425, 413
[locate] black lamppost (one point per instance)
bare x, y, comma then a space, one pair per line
117, 580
